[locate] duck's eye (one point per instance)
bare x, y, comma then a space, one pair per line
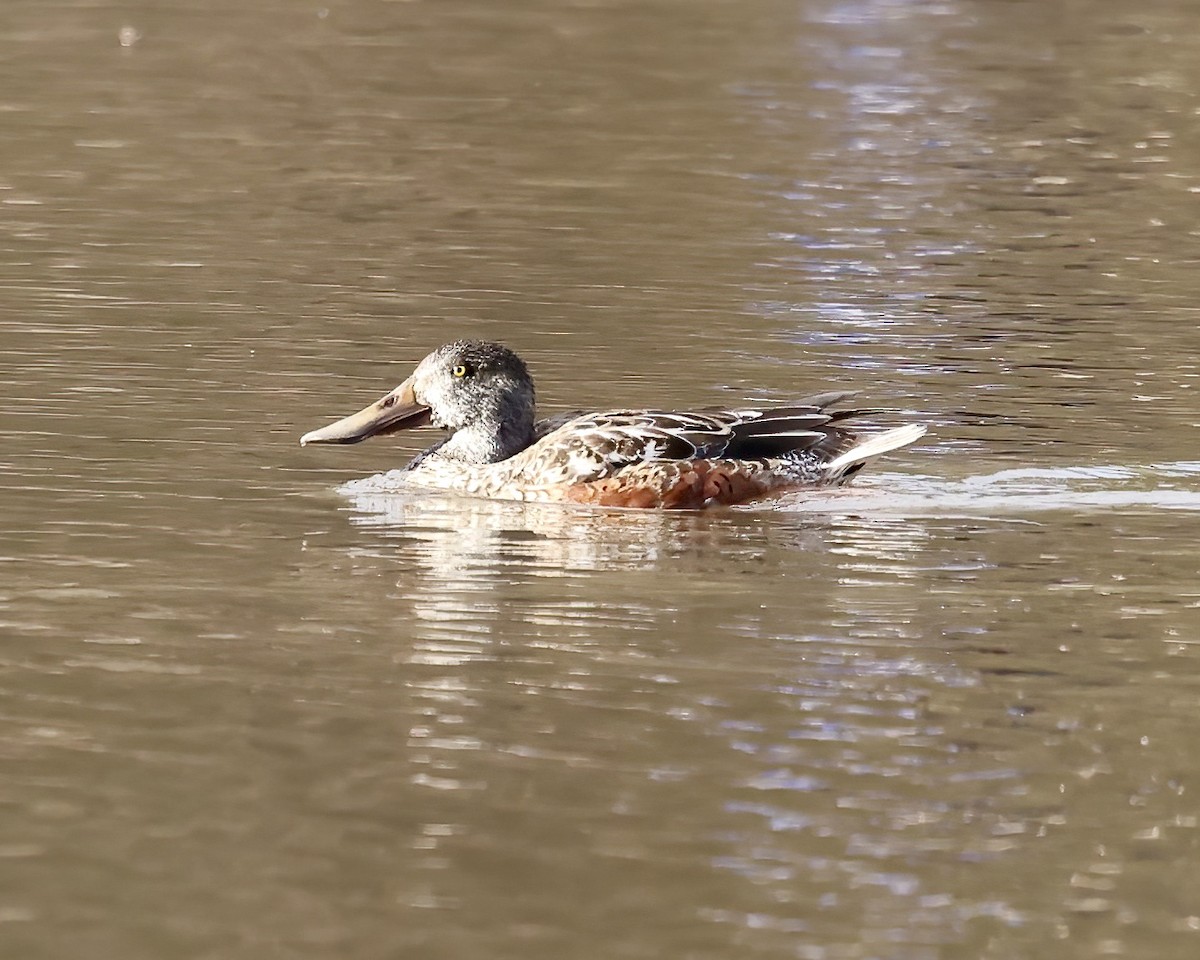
461, 370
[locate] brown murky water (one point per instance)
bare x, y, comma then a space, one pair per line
948, 714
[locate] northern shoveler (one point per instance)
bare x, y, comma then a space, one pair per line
482, 395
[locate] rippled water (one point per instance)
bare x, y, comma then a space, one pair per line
248, 709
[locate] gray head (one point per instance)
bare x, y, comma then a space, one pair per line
471, 382
480, 392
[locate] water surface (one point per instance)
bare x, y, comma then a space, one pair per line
947, 713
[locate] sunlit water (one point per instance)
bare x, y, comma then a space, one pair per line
253, 704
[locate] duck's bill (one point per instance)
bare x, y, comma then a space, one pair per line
399, 410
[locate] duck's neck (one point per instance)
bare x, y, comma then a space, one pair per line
481, 443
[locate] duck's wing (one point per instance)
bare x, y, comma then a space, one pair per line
806, 425
597, 445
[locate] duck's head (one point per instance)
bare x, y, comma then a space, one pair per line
480, 392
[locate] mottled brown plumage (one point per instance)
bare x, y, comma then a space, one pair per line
483, 396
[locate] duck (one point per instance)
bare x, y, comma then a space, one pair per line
482, 396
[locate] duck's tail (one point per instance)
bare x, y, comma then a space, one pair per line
879, 443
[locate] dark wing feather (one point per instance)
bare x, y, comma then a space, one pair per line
805, 425
593, 446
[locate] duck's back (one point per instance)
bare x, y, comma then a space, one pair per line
685, 460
